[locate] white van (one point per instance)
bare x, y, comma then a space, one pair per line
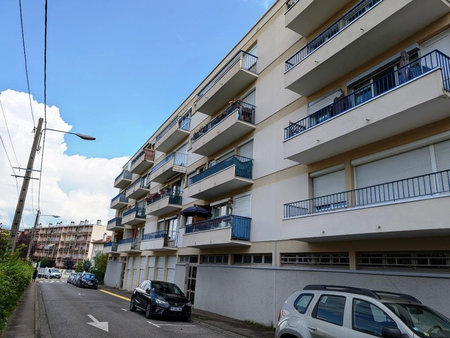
52, 273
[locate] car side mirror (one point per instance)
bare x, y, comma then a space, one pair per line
392, 332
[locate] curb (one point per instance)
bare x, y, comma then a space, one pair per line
37, 324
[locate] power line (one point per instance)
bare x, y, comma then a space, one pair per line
9, 134
26, 63
9, 160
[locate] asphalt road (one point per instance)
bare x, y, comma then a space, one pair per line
70, 310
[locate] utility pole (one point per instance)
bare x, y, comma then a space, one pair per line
33, 233
25, 184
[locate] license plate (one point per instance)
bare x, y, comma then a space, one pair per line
172, 308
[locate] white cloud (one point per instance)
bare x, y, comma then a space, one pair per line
73, 186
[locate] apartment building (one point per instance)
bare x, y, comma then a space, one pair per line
316, 151
74, 242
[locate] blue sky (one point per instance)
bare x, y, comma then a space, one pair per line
118, 69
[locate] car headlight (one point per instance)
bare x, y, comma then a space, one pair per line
188, 304
161, 302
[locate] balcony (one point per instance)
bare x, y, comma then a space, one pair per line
160, 241
415, 206
134, 216
163, 203
169, 167
225, 231
230, 81
325, 59
235, 122
226, 176
119, 202
123, 179
173, 134
411, 97
305, 16
143, 161
137, 189
129, 245
114, 224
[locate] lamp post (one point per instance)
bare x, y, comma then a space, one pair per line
36, 221
27, 177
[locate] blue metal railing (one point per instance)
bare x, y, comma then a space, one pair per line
248, 63
290, 4
174, 198
114, 246
140, 212
116, 220
139, 181
408, 188
126, 240
180, 159
245, 112
240, 226
243, 165
166, 234
348, 18
119, 198
409, 72
108, 244
184, 123
124, 174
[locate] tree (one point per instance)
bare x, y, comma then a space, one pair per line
87, 265
79, 267
44, 262
25, 239
68, 263
100, 262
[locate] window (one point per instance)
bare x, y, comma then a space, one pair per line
252, 259
214, 259
327, 259
368, 318
438, 260
188, 259
219, 210
302, 302
330, 309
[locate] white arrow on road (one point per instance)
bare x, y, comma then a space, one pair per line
99, 325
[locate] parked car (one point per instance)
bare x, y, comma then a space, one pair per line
87, 280
160, 298
341, 311
51, 273
76, 278
71, 277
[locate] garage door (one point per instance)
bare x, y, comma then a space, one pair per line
160, 268
129, 273
142, 269
135, 271
151, 268
171, 261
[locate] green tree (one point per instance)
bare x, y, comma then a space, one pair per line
79, 267
87, 265
100, 262
68, 263
44, 262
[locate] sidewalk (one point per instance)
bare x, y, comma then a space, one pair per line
215, 321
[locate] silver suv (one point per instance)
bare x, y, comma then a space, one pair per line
320, 311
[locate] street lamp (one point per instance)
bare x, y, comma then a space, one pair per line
36, 221
27, 177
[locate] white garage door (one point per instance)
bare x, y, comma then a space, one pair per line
171, 261
135, 271
151, 268
142, 269
160, 268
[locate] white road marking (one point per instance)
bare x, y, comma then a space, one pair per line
154, 324
123, 309
99, 325
176, 324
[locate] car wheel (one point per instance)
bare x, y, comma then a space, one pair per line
186, 318
148, 311
132, 304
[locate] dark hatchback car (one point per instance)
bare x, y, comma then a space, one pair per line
162, 299
87, 280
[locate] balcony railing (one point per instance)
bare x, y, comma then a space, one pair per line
348, 18
125, 175
135, 244
140, 212
180, 159
166, 234
428, 185
246, 113
174, 198
290, 4
240, 226
248, 63
126, 240
243, 165
184, 123
146, 154
117, 221
409, 72
140, 181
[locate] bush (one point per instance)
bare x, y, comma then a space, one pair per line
15, 276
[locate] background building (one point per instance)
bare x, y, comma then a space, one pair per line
68, 244
319, 152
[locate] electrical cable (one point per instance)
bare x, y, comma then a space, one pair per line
26, 63
9, 134
9, 160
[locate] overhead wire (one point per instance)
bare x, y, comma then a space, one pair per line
9, 160
26, 63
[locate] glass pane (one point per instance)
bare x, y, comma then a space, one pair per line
331, 309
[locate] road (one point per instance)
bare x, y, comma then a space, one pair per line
70, 310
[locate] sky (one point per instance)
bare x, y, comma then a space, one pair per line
116, 70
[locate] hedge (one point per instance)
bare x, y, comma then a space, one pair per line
15, 276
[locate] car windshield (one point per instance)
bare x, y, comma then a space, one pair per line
162, 287
55, 270
422, 320
89, 276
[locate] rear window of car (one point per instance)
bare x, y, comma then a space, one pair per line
330, 308
302, 302
89, 276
